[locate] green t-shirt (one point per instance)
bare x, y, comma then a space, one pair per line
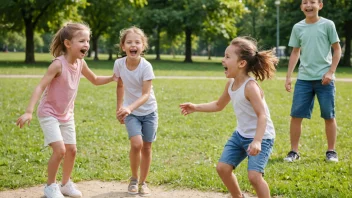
315, 41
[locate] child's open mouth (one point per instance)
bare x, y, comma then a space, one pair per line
133, 52
225, 68
84, 51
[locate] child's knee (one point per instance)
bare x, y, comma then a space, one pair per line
71, 150
59, 151
223, 168
136, 146
255, 177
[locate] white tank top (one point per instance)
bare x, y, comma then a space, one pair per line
246, 116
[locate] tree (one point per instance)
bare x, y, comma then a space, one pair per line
220, 22
343, 22
212, 16
100, 18
252, 17
32, 15
155, 18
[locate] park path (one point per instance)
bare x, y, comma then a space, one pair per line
164, 77
99, 189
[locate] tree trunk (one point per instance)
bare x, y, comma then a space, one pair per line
209, 51
157, 43
254, 32
95, 47
348, 34
110, 54
188, 58
29, 41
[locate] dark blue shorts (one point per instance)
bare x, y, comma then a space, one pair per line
303, 99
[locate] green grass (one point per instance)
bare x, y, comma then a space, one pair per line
187, 149
13, 63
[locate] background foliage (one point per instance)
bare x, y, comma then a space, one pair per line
182, 27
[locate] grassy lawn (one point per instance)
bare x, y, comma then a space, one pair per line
187, 149
13, 63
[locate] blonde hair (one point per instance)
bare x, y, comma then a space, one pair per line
136, 30
260, 63
68, 31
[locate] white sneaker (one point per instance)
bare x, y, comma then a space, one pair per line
52, 191
70, 189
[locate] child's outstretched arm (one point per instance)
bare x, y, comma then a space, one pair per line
218, 105
255, 96
335, 61
123, 112
96, 80
291, 66
53, 70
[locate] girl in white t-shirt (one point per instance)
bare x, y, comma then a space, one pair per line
255, 133
136, 105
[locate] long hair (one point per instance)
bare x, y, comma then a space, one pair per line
68, 31
260, 63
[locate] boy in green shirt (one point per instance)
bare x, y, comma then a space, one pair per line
312, 39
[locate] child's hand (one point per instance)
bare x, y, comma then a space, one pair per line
254, 148
114, 78
187, 108
122, 113
288, 84
21, 121
327, 78
122, 121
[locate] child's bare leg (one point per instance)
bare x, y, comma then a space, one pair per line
229, 179
330, 130
135, 154
295, 132
55, 160
259, 184
145, 161
69, 162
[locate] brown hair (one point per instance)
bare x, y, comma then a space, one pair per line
261, 64
136, 30
68, 31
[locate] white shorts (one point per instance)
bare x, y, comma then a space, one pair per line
54, 130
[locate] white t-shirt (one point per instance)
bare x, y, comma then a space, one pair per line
246, 116
133, 84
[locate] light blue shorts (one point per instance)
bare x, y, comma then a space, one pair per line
303, 99
235, 151
145, 126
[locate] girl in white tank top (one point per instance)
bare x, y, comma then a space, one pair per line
254, 135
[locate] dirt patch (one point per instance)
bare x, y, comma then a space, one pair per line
99, 189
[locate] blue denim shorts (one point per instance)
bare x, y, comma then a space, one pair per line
145, 126
235, 151
303, 99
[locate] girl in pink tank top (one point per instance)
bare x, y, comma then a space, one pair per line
58, 89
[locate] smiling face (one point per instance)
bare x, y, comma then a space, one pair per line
311, 8
231, 62
133, 45
78, 46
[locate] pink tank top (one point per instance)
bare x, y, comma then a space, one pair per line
59, 96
